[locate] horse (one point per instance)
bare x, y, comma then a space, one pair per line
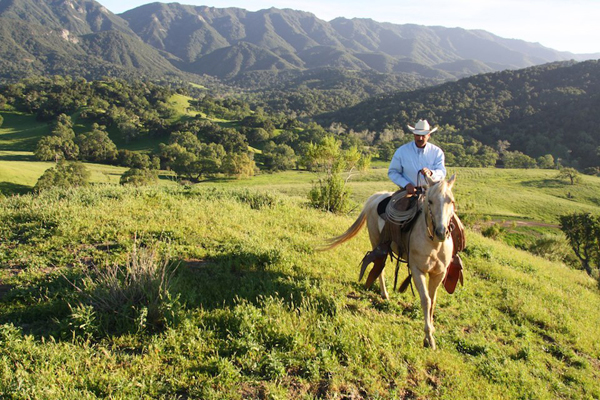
429, 243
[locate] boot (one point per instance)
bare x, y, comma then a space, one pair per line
377, 256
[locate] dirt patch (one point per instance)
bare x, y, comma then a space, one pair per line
508, 224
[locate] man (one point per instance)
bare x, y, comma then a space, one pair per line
408, 161
417, 156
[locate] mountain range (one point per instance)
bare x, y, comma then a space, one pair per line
82, 37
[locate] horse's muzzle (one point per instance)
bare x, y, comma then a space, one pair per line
442, 233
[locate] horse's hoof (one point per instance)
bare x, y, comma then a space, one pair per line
429, 343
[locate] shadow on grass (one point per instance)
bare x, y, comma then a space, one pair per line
10, 188
225, 279
18, 157
546, 183
41, 307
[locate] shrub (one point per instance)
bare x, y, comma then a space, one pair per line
330, 194
64, 174
139, 177
493, 231
552, 248
134, 297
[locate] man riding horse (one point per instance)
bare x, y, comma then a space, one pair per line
410, 161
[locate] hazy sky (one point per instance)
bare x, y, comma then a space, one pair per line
565, 25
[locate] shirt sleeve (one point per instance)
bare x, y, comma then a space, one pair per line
438, 170
395, 172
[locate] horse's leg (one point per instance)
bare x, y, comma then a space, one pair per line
420, 282
434, 283
382, 288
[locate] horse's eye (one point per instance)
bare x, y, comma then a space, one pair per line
430, 202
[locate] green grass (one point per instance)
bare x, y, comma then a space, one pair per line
180, 105
21, 176
263, 315
21, 132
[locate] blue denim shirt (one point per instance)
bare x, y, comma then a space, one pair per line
408, 160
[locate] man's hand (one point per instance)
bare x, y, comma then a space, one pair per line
427, 171
410, 189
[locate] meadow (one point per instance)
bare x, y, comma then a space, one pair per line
247, 307
255, 312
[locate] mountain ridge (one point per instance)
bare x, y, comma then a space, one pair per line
176, 39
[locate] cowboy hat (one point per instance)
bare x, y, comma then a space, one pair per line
422, 128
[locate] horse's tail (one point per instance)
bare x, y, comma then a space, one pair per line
354, 228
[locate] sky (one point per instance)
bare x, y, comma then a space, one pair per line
565, 25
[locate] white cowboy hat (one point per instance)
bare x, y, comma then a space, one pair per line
422, 128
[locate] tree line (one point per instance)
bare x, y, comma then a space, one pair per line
548, 109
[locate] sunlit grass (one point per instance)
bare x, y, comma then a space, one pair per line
265, 313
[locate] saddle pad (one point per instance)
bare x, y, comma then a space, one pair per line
383, 205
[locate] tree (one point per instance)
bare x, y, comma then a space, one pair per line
96, 146
54, 148
516, 159
133, 159
60, 144
330, 191
569, 173
239, 165
583, 232
1, 120
64, 174
546, 161
278, 157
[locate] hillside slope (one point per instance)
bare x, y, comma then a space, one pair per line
547, 109
262, 314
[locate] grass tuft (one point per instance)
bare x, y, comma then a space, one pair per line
134, 297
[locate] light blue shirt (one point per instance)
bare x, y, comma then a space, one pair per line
408, 160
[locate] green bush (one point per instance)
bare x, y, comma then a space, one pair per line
134, 297
64, 174
139, 177
493, 231
331, 194
553, 248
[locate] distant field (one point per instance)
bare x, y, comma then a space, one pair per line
20, 132
499, 194
532, 194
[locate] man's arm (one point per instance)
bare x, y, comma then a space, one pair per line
396, 169
438, 172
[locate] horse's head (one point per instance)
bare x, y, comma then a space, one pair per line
439, 207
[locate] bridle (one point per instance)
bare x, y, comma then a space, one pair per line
433, 228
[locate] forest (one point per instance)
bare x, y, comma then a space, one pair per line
549, 109
225, 136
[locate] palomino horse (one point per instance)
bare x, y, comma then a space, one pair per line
430, 243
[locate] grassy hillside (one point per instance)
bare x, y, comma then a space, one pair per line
255, 312
502, 194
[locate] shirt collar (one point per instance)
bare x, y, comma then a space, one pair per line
419, 150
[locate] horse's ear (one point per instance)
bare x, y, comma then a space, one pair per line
451, 181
